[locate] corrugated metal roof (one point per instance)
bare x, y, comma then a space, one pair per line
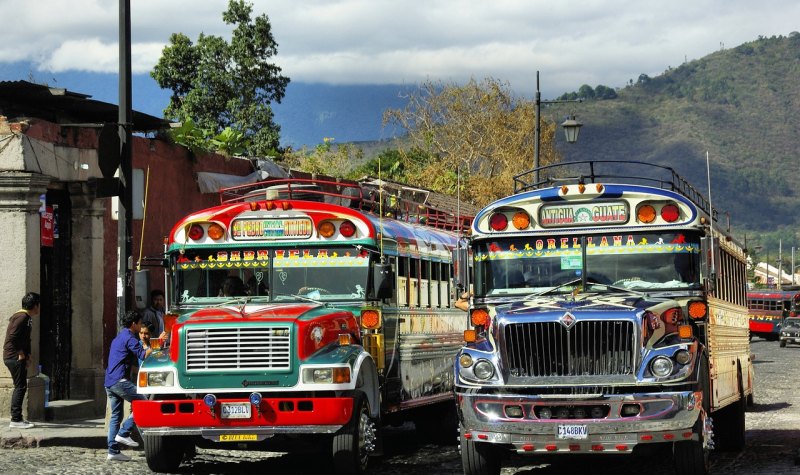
20, 99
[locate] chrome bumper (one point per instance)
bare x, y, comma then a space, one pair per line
664, 417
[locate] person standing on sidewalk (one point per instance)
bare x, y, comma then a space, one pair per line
17, 355
119, 388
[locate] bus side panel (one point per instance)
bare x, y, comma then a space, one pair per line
728, 328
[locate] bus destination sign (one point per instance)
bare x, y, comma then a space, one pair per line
606, 212
256, 229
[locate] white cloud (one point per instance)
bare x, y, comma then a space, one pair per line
386, 41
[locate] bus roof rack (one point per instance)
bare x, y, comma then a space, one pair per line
401, 202
592, 171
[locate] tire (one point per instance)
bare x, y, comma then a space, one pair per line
353, 443
783, 343
691, 456
163, 454
479, 458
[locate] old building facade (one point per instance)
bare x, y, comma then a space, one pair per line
60, 239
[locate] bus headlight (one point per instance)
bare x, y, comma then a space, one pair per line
330, 375
661, 366
483, 369
156, 378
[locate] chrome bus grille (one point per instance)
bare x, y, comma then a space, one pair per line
588, 348
244, 348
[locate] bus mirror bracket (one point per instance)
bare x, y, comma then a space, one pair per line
382, 280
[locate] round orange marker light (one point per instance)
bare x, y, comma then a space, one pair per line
697, 310
215, 231
370, 319
480, 317
646, 214
326, 229
521, 220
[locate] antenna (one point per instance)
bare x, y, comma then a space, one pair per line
710, 215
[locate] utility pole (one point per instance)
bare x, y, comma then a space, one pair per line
125, 122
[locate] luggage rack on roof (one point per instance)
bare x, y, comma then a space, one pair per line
350, 194
587, 172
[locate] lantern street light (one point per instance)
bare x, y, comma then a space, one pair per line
571, 127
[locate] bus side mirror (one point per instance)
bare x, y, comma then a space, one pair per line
382, 281
709, 249
460, 259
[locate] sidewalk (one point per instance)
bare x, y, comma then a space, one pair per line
86, 433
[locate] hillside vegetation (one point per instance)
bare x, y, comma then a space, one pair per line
742, 105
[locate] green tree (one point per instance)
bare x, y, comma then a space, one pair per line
479, 129
325, 159
221, 85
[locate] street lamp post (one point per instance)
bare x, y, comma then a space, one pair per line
571, 127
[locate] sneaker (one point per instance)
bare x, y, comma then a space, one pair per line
126, 440
20, 425
119, 457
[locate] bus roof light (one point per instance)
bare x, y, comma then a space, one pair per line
253, 205
326, 229
670, 213
498, 222
285, 205
196, 232
646, 214
521, 220
269, 205
347, 228
215, 231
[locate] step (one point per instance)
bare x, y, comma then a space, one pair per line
70, 409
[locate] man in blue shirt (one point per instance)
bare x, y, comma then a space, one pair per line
124, 348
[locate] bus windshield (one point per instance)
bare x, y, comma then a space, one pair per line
636, 261
211, 277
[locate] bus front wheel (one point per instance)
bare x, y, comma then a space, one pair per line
479, 458
163, 454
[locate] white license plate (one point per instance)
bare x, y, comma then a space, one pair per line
572, 431
235, 410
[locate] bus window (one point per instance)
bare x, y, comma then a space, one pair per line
402, 281
424, 284
435, 283
413, 279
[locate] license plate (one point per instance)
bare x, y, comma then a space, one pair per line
572, 431
237, 437
235, 410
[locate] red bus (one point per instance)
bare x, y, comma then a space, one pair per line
768, 308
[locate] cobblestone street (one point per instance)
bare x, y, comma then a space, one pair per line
773, 441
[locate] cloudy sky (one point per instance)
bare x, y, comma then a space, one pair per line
395, 41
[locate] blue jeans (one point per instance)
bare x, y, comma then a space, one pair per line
117, 395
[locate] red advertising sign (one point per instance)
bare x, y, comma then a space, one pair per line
47, 227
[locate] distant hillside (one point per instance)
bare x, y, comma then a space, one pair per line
742, 105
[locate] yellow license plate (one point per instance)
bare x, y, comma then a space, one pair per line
237, 437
